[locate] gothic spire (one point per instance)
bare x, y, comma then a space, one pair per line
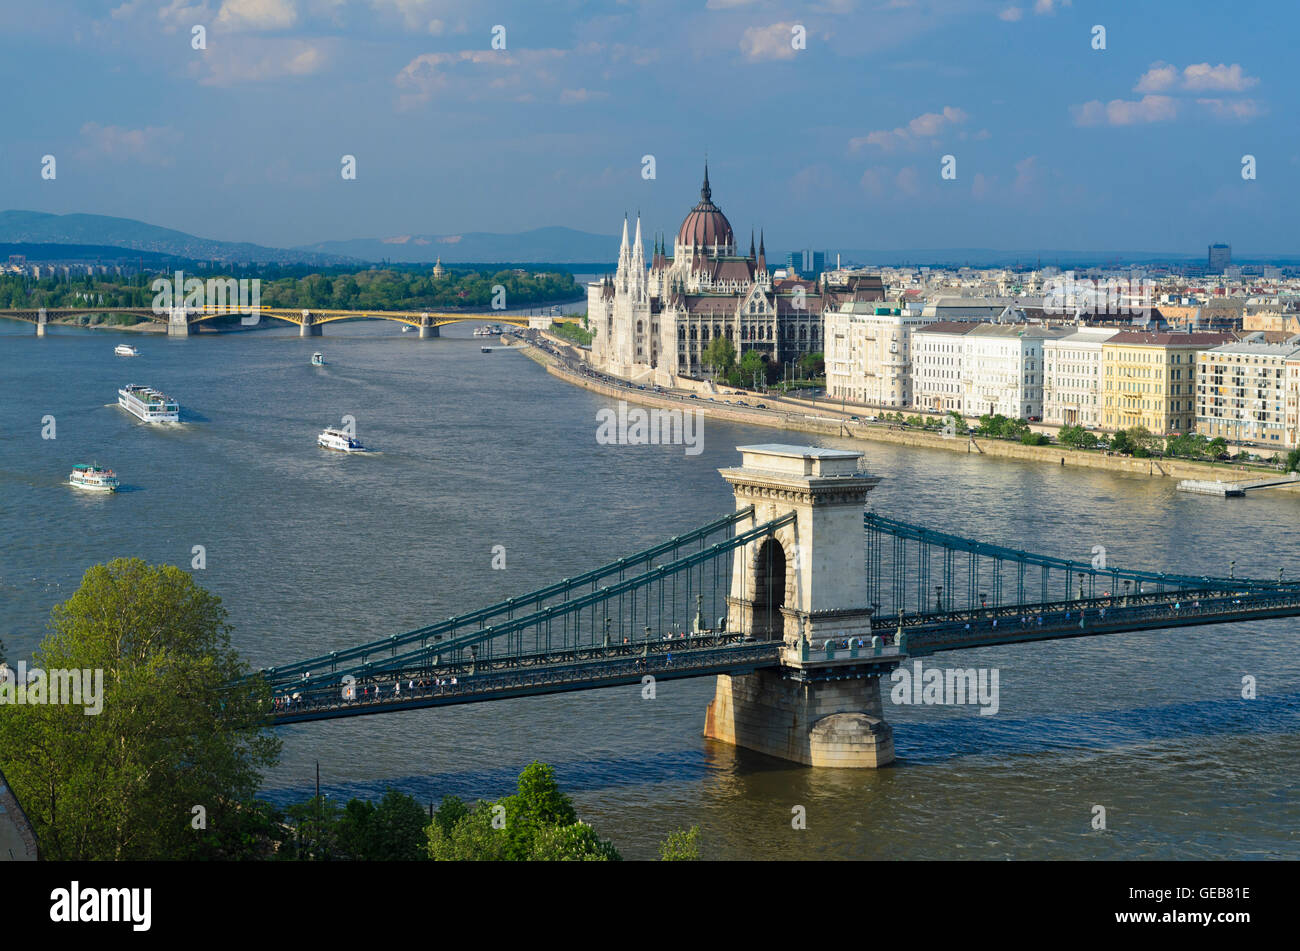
706, 193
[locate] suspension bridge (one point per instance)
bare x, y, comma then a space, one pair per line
797, 602
181, 321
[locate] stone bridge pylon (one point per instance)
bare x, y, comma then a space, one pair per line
806, 585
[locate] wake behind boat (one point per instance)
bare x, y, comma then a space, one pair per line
340, 441
148, 404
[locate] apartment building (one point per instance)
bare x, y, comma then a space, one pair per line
1072, 377
868, 353
937, 352
1002, 367
1149, 379
1242, 391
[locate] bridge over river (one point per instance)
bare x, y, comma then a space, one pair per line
181, 321
798, 602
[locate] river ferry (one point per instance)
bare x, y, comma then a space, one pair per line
318, 359
94, 478
126, 350
148, 404
340, 441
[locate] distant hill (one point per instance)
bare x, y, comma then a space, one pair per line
556, 245
35, 227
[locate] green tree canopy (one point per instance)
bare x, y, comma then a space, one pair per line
538, 823
681, 846
720, 354
171, 735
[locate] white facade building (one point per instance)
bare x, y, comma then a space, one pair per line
1072, 377
1002, 366
1242, 391
938, 351
868, 353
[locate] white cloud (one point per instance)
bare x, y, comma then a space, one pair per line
1198, 77
1239, 109
1158, 78
149, 145
569, 96
471, 72
1201, 77
908, 181
256, 14
1125, 111
760, 43
1049, 6
1011, 14
925, 126
262, 59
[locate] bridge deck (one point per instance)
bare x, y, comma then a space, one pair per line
712, 653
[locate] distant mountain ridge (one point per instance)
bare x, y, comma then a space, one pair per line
553, 244
36, 227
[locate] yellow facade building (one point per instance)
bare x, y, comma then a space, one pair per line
1149, 379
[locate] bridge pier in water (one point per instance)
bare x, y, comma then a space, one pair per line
178, 323
805, 586
306, 328
428, 328
40, 322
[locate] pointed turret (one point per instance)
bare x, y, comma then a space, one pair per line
751, 244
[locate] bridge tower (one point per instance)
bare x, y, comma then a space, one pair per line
427, 327
807, 586
307, 328
40, 322
178, 322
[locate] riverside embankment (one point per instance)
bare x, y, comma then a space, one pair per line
828, 423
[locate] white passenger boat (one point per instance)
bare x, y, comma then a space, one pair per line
148, 404
318, 359
95, 478
482, 332
340, 441
126, 350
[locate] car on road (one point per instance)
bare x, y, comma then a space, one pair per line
760, 406
855, 419
741, 403
695, 396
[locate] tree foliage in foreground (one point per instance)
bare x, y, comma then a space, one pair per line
123, 784
538, 823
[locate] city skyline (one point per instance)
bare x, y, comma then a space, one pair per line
833, 137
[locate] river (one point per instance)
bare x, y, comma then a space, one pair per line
312, 551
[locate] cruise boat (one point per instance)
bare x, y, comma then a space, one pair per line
148, 404
94, 478
486, 349
126, 350
482, 332
339, 440
318, 359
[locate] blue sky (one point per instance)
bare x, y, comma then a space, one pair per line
839, 144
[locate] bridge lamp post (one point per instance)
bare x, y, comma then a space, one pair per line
938, 598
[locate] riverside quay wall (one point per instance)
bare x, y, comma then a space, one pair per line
819, 421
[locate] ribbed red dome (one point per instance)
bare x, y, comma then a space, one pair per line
706, 225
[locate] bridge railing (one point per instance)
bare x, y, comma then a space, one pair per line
916, 570
655, 601
532, 602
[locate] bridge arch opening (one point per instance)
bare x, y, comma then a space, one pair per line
769, 590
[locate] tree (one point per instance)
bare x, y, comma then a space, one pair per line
1034, 439
1292, 464
172, 733
720, 354
752, 367
1121, 443
538, 823
681, 846
813, 364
